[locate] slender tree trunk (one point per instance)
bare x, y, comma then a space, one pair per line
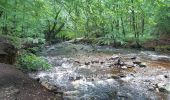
4, 27
87, 27
14, 18
60, 28
23, 20
51, 31
133, 22
117, 25
56, 31
1, 13
134, 25
49, 25
123, 29
112, 25
137, 33
143, 25
55, 23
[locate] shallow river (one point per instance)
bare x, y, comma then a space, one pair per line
87, 72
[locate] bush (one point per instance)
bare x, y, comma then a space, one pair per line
31, 62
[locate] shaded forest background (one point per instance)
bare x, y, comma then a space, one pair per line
104, 21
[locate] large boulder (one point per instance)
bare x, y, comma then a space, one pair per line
8, 52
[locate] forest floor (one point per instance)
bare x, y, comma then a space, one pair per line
15, 85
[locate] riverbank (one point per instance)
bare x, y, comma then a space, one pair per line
15, 85
161, 44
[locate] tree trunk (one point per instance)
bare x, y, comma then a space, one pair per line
4, 27
59, 29
49, 34
1, 13
14, 18
134, 25
133, 22
23, 18
143, 25
123, 29
117, 25
54, 32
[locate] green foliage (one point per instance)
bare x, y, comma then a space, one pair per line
33, 50
111, 20
31, 62
163, 19
107, 39
66, 34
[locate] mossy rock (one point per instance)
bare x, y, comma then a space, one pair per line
11, 40
8, 52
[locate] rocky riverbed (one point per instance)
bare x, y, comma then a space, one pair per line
88, 72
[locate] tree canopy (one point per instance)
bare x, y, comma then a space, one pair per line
108, 20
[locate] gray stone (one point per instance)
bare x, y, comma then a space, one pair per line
124, 67
87, 63
114, 58
160, 57
49, 86
151, 88
137, 62
115, 77
164, 87
142, 65
167, 87
95, 61
108, 64
42, 79
129, 64
122, 75
124, 96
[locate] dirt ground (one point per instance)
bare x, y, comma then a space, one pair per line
15, 85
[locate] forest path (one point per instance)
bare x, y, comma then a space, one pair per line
15, 85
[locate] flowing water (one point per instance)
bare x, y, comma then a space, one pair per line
86, 72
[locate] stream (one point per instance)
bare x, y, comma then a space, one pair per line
88, 72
